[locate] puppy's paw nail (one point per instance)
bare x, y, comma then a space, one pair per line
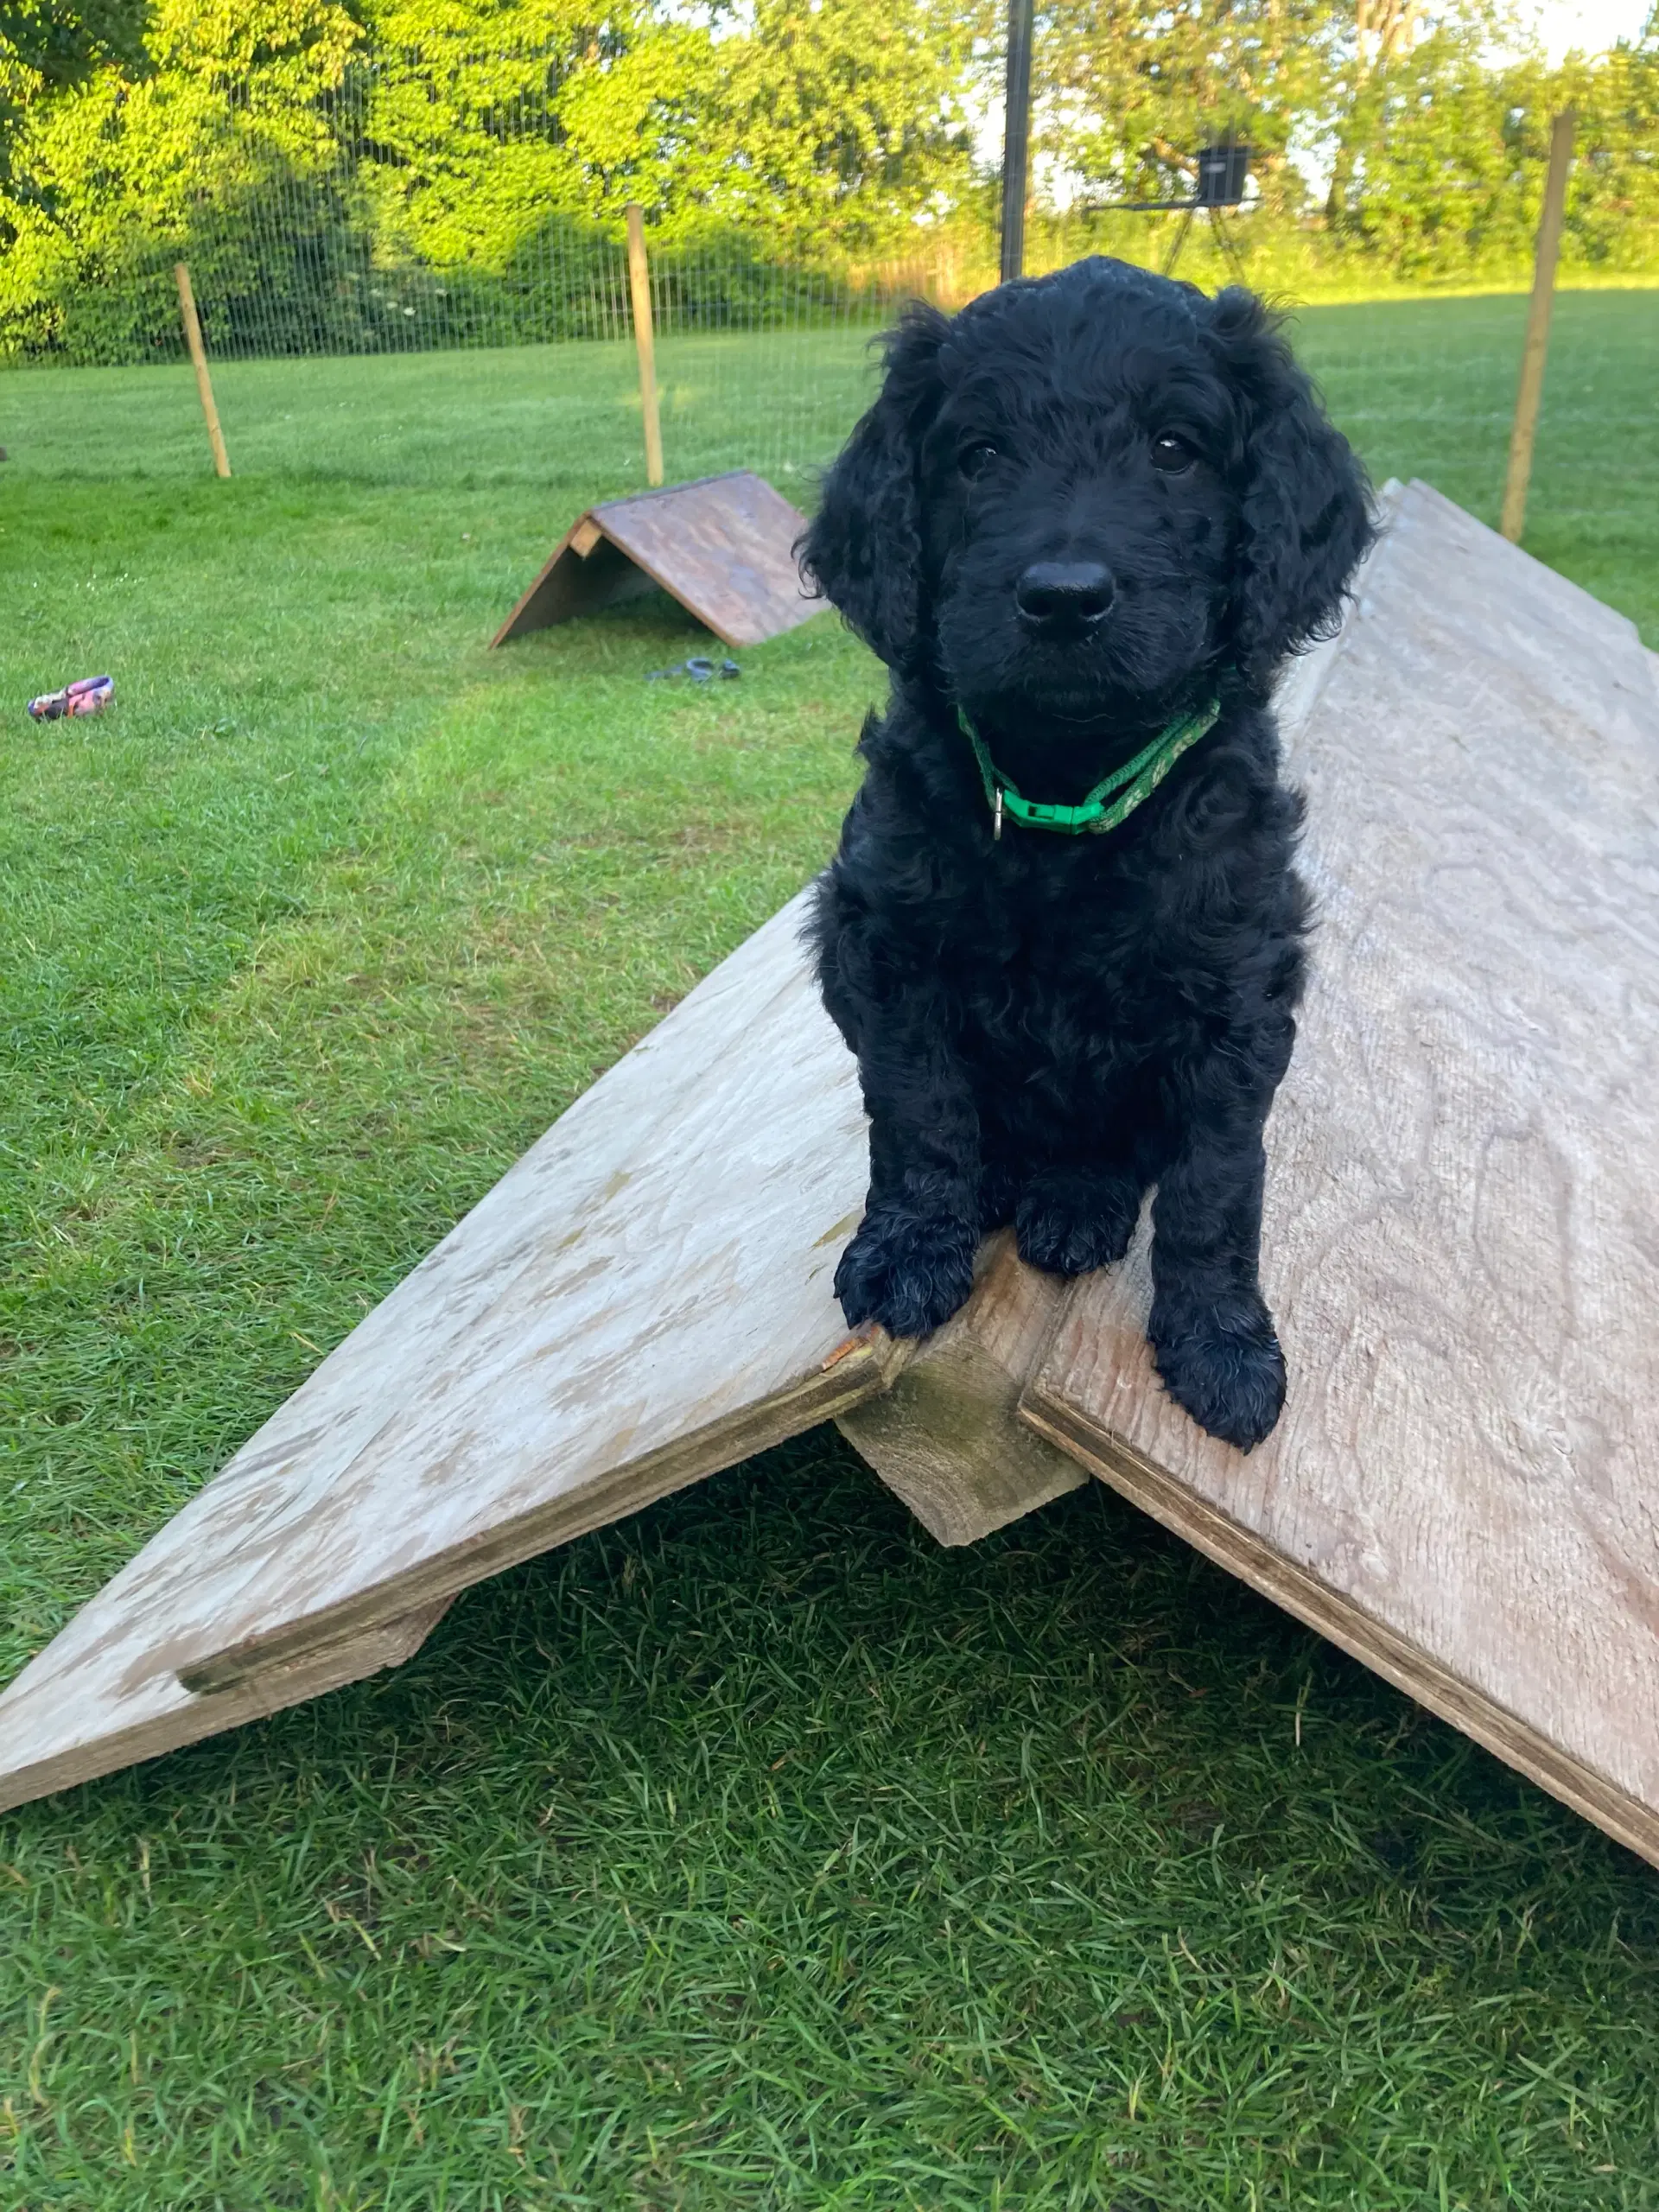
1225, 1367
908, 1272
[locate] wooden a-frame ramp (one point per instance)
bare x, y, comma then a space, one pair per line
1462, 1246
723, 546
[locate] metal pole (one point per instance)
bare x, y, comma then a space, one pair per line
199, 361
1528, 399
1016, 137
640, 284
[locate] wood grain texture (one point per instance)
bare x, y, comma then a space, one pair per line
723, 547
945, 1437
643, 1299
1461, 1240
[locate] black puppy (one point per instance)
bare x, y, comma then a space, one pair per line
1083, 525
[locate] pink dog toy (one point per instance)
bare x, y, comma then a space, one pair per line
90, 695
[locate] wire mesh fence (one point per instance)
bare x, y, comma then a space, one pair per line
408, 247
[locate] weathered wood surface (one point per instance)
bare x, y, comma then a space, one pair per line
1462, 1231
723, 547
643, 1299
1461, 1244
946, 1437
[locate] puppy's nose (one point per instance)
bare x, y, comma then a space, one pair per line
1064, 594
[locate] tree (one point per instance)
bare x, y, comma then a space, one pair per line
1130, 89
47, 45
843, 125
1444, 154
121, 171
62, 41
834, 124
347, 173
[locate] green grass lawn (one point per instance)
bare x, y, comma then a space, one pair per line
756, 1852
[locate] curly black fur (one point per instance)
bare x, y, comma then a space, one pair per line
1082, 504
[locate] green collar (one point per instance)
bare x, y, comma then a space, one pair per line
1114, 797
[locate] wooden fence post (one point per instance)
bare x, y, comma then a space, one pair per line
198, 362
1528, 398
639, 285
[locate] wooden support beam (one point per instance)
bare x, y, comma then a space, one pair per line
645, 341
1528, 398
197, 353
945, 1437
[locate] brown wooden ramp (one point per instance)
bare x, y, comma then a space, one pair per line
723, 547
1462, 1230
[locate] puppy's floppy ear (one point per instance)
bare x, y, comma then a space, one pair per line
1304, 508
863, 548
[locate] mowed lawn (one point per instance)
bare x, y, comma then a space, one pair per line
755, 1852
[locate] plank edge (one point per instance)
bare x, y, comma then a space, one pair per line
333, 1666
1343, 1622
860, 1368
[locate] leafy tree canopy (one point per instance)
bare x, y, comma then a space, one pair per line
47, 44
481, 142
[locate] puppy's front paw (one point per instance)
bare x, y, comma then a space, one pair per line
1068, 1222
906, 1270
1222, 1363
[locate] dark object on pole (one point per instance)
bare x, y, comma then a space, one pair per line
1222, 172
1016, 137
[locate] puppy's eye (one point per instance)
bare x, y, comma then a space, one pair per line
974, 460
1171, 453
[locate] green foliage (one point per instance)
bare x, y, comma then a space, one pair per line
396, 174
1445, 178
1435, 152
842, 123
46, 45
446, 173
1133, 89
114, 178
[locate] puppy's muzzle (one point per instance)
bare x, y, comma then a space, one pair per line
1062, 599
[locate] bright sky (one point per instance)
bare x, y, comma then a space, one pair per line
1591, 25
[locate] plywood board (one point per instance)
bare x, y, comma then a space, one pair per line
646, 1298
1462, 1230
723, 547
